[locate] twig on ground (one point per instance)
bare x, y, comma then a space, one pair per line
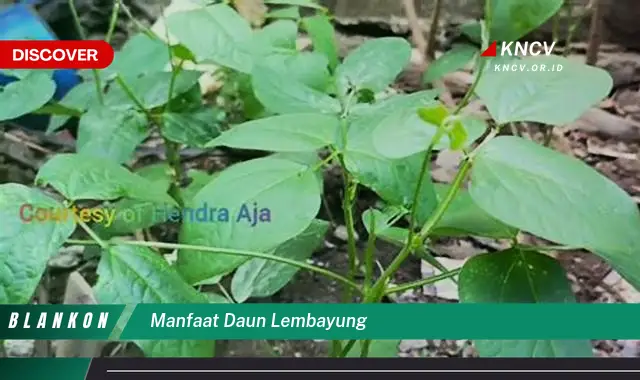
26, 143
595, 33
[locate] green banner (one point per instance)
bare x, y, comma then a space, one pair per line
383, 321
86, 322
322, 321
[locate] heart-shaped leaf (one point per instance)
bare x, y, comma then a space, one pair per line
215, 34
264, 278
26, 243
282, 95
26, 95
284, 133
453, 60
519, 276
373, 65
111, 134
133, 275
558, 198
533, 92
255, 205
77, 177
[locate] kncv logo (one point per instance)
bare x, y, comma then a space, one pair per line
521, 49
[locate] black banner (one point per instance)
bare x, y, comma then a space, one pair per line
370, 369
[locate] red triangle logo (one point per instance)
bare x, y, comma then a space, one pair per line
491, 51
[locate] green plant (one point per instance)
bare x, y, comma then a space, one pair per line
301, 103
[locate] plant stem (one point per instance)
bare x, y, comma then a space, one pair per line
369, 255
396, 289
137, 23
172, 151
225, 251
324, 162
112, 22
425, 281
103, 244
81, 33
347, 206
127, 90
444, 204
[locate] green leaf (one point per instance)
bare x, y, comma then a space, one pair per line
139, 48
26, 95
263, 278
81, 98
308, 68
382, 221
199, 179
194, 128
276, 36
23, 73
323, 37
284, 133
527, 95
152, 89
394, 180
463, 218
373, 65
453, 60
285, 13
26, 246
559, 199
403, 132
519, 276
215, 34
458, 136
77, 177
300, 3
281, 95
159, 174
514, 19
131, 215
111, 134
132, 275
285, 191
377, 349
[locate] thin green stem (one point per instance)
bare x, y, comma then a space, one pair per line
396, 289
83, 36
103, 244
129, 92
369, 255
364, 348
420, 283
137, 23
76, 19
446, 201
112, 22
324, 162
226, 251
347, 206
172, 149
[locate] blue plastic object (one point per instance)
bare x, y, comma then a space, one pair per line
22, 22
